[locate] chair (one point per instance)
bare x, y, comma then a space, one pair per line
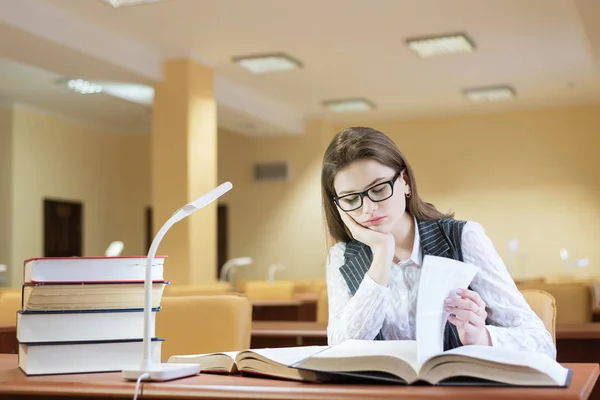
309, 285
323, 307
574, 301
204, 324
265, 290
198, 290
10, 303
544, 306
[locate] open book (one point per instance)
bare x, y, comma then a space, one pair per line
266, 362
390, 360
397, 361
403, 361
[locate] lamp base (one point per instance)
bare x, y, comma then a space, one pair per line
163, 372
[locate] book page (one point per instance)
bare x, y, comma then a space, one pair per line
440, 277
538, 361
196, 358
285, 355
405, 350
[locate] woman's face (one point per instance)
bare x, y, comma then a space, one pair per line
362, 175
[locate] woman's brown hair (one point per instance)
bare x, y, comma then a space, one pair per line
359, 143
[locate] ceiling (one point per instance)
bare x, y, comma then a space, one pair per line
548, 50
25, 84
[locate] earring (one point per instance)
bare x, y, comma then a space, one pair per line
408, 194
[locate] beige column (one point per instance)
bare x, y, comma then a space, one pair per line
184, 166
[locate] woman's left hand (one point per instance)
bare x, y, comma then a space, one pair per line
468, 314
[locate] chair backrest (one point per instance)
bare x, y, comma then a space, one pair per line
323, 307
574, 301
542, 303
266, 290
303, 286
10, 303
198, 290
204, 324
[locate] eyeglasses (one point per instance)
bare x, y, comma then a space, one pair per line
377, 193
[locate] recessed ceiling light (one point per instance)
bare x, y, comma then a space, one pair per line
349, 105
121, 3
491, 93
84, 87
261, 64
439, 45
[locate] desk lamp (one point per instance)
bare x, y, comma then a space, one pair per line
271, 272
231, 265
165, 371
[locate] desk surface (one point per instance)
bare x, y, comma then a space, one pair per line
206, 386
289, 329
578, 331
277, 303
8, 328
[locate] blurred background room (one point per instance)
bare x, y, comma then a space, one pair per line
115, 113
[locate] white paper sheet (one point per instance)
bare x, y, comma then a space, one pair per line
440, 277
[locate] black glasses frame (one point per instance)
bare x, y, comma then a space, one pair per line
365, 193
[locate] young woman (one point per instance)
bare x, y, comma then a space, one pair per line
382, 229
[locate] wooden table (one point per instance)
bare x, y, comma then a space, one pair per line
8, 340
596, 314
299, 309
579, 342
15, 385
288, 334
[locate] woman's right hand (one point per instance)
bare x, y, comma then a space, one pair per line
383, 246
370, 237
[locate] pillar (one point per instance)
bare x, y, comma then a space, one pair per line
184, 166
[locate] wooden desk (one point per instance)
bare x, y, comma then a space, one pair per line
578, 331
8, 340
579, 342
310, 296
288, 334
596, 314
285, 310
15, 385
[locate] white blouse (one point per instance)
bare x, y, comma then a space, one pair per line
391, 309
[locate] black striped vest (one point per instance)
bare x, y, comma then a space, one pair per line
440, 238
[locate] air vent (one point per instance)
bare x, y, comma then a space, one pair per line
277, 171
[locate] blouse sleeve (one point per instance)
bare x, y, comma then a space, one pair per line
352, 317
512, 322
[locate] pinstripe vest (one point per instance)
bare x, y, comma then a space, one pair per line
440, 238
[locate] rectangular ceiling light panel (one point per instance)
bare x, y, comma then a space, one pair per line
440, 45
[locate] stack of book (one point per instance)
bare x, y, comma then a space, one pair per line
85, 314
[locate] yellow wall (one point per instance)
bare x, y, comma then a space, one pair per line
530, 175
274, 222
5, 185
60, 159
519, 174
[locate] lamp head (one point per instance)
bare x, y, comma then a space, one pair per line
242, 261
202, 201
